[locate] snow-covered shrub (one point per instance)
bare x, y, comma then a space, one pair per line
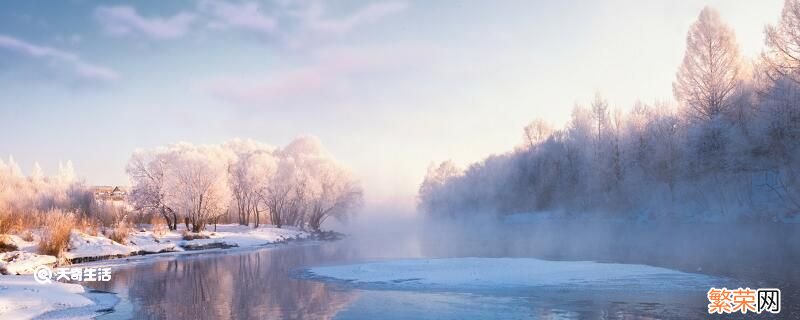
27, 202
188, 235
55, 232
119, 234
26, 235
6, 244
10, 222
158, 225
120, 231
88, 226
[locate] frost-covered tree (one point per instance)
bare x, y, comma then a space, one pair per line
199, 183
333, 192
336, 198
781, 56
309, 186
253, 166
298, 185
23, 199
710, 72
148, 171
433, 193
37, 174
181, 180
601, 161
600, 115
536, 132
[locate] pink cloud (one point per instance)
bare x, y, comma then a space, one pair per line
265, 89
332, 67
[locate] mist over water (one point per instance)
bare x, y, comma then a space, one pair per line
721, 248
758, 255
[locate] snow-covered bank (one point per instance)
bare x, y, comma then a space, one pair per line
84, 247
244, 236
488, 273
21, 297
23, 262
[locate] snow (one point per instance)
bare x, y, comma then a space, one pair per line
467, 273
22, 262
149, 243
82, 245
245, 236
87, 246
19, 242
21, 297
102, 302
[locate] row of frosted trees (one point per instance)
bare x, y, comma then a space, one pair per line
23, 198
730, 148
242, 180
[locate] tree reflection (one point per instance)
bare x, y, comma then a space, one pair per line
243, 285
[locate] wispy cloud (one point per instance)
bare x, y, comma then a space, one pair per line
316, 21
293, 21
124, 20
246, 15
58, 57
332, 67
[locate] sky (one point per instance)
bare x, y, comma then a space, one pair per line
388, 86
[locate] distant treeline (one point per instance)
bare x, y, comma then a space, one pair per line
728, 150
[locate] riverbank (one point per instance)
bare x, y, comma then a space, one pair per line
21, 297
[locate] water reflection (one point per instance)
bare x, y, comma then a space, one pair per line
239, 285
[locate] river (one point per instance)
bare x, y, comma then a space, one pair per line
269, 283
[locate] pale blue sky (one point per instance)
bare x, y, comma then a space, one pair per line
388, 86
